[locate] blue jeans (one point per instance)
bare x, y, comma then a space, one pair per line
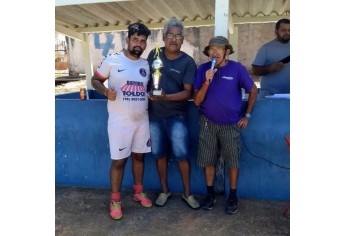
171, 131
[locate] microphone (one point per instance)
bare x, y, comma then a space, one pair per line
213, 62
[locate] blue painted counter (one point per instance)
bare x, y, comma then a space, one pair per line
82, 149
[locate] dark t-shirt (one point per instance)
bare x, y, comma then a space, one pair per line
175, 73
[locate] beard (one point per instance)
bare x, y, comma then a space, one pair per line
136, 52
284, 39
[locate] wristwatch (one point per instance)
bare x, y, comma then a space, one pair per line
247, 115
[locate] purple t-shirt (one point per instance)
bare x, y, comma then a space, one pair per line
223, 99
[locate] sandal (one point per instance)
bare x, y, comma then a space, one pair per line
162, 199
191, 202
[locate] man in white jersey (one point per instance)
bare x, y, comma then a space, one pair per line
128, 124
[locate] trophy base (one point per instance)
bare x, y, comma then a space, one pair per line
157, 93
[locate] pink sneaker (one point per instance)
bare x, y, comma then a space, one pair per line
115, 210
143, 199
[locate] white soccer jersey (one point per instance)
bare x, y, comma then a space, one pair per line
129, 78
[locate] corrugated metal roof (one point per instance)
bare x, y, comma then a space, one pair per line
117, 15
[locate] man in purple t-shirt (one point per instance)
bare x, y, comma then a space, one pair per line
219, 97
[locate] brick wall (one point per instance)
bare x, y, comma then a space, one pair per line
251, 38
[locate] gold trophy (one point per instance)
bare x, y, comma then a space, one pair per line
157, 64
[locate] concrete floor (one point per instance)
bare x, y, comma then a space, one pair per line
84, 211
